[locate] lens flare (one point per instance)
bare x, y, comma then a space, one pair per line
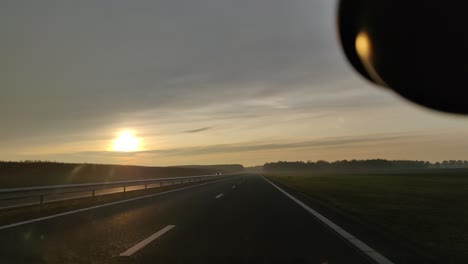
363, 46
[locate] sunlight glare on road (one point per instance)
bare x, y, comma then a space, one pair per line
126, 141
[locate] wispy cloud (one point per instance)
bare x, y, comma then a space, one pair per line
256, 146
197, 130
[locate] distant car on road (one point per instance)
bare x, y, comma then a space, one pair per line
218, 173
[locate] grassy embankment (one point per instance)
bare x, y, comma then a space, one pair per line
429, 210
26, 174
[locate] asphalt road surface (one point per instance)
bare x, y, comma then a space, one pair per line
242, 219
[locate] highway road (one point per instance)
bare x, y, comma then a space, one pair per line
242, 219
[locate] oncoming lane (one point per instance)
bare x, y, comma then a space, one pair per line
100, 234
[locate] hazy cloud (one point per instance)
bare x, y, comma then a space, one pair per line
75, 65
75, 72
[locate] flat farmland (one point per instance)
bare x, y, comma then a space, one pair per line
427, 214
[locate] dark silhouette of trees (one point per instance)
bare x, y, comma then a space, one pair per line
361, 165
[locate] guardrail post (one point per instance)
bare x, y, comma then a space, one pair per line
93, 193
125, 188
146, 185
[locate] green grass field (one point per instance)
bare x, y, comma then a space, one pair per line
430, 211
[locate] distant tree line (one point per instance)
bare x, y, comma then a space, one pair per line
226, 168
370, 164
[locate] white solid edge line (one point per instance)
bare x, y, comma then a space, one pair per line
102, 205
145, 242
219, 196
376, 256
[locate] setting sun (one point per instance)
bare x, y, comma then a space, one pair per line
126, 141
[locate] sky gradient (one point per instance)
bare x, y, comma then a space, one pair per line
199, 82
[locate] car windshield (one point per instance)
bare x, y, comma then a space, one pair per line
214, 131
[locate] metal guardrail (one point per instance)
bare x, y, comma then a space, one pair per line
17, 197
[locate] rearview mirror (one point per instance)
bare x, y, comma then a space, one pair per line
416, 48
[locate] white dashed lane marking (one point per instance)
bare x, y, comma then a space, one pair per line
145, 242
